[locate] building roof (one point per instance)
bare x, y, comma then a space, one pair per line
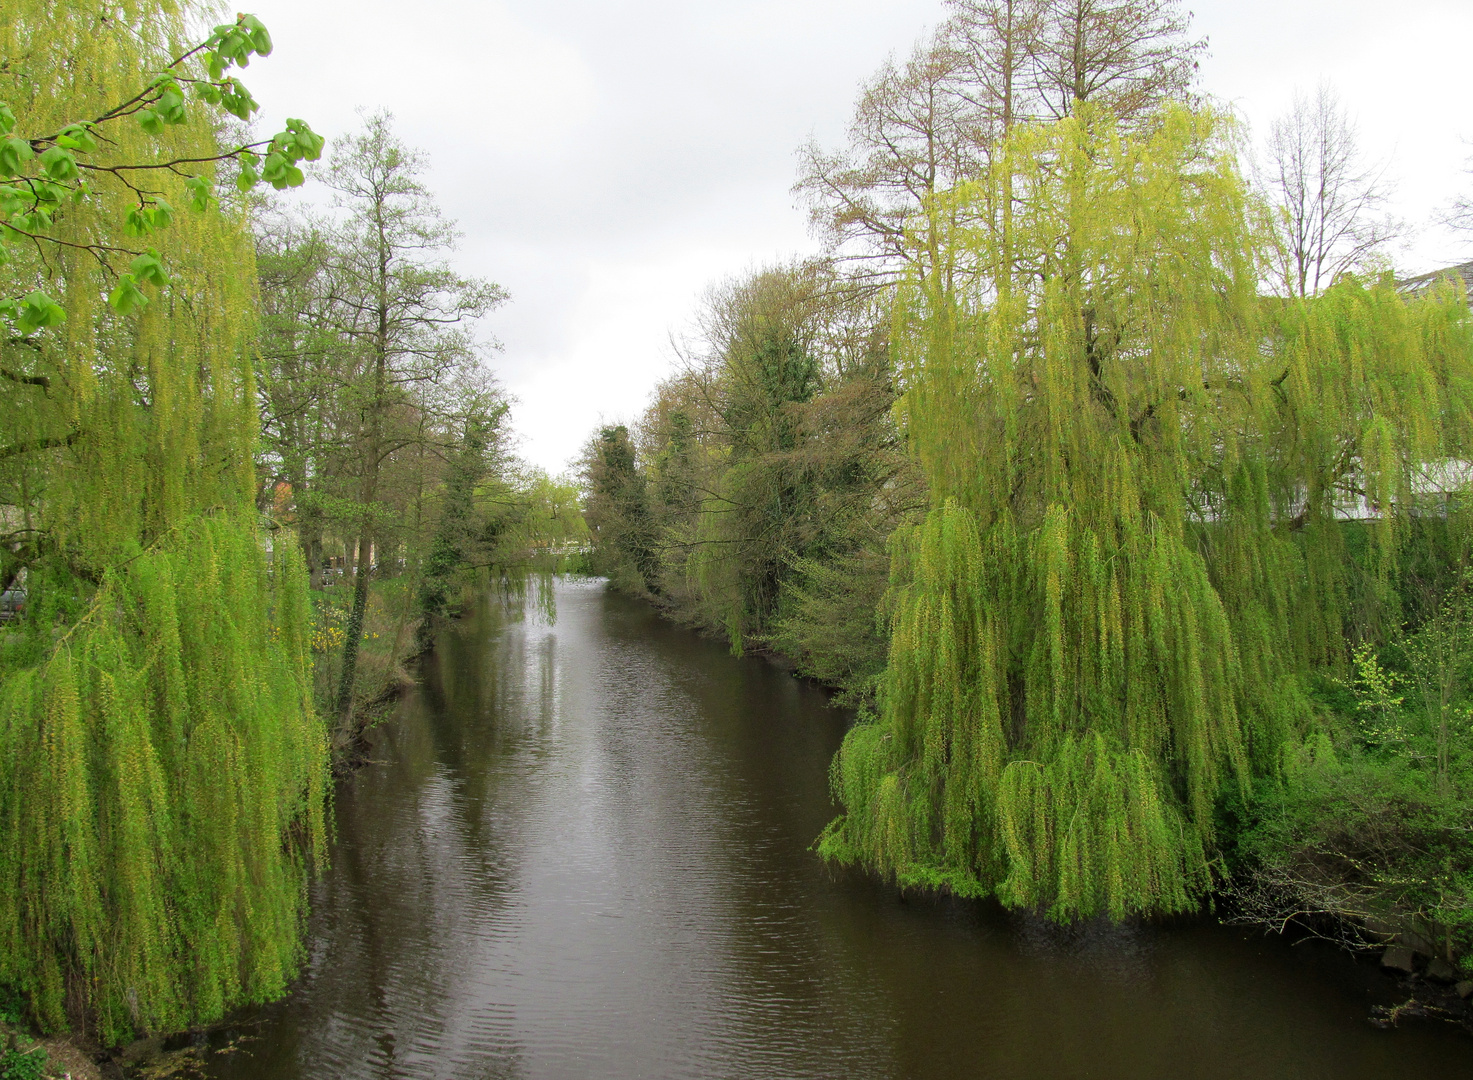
1423, 282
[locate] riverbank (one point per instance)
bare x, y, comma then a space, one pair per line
386, 654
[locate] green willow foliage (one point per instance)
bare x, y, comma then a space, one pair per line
1140, 471
162, 772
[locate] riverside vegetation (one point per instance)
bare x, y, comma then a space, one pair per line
1139, 546
198, 401
1113, 480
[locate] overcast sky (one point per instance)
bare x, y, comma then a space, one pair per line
608, 161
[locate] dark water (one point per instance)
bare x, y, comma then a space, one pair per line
585, 855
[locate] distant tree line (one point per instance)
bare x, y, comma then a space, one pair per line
755, 495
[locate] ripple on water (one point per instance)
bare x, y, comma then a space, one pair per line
588, 856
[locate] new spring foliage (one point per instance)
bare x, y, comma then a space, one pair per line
1140, 471
161, 768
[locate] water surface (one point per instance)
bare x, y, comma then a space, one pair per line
584, 853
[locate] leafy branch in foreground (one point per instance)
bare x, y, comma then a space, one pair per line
41, 174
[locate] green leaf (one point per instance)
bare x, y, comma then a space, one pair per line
48, 191
273, 169
260, 39
127, 297
248, 177
308, 141
14, 152
7, 119
170, 105
207, 92
149, 269
138, 222
36, 311
162, 214
37, 220
237, 99
77, 137
59, 163
151, 122
298, 141
200, 192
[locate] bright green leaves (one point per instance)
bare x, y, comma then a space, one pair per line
236, 99
46, 172
279, 168
14, 153
299, 140
33, 312
280, 173
234, 43
288, 147
77, 137
167, 108
29, 206
59, 164
147, 269
201, 193
143, 220
260, 39
249, 175
29, 203
127, 297
229, 94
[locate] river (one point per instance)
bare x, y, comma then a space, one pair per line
583, 851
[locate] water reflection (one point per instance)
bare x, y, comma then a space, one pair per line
586, 855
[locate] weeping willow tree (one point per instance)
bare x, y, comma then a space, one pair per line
161, 768
1138, 545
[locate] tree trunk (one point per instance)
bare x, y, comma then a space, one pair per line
354, 632
372, 460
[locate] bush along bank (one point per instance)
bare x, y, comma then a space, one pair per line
1366, 836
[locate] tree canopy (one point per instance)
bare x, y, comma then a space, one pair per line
162, 770
1138, 469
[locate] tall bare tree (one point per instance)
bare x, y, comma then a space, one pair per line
998, 45
909, 140
922, 127
1459, 213
1329, 202
1129, 56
